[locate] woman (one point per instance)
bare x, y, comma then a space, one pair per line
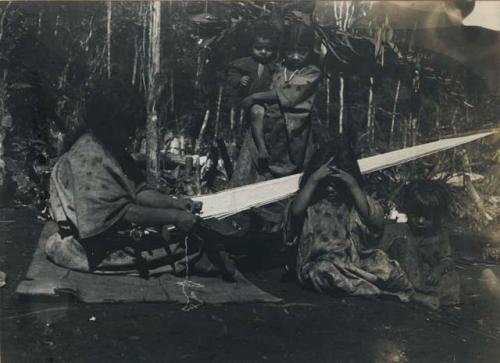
97, 194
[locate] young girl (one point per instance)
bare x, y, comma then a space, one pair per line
329, 224
285, 130
422, 246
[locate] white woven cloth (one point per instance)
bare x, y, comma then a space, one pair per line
232, 201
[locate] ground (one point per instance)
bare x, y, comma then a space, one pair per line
307, 327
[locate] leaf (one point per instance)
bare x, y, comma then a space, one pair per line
17, 86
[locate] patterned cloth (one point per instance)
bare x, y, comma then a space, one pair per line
333, 253
418, 255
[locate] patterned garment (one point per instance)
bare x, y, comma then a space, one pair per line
90, 192
333, 253
418, 255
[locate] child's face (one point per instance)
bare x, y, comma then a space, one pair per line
297, 58
423, 222
262, 50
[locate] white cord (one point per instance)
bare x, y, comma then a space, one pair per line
192, 301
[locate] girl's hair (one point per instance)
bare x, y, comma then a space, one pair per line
342, 156
426, 195
298, 35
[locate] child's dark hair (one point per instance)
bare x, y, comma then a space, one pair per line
266, 31
426, 195
298, 35
343, 158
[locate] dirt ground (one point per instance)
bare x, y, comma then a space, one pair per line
306, 327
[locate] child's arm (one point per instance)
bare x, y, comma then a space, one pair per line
371, 219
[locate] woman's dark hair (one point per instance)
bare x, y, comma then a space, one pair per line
426, 195
114, 103
298, 35
343, 157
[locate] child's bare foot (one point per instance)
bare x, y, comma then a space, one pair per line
428, 301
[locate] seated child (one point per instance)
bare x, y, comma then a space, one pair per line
421, 246
328, 226
254, 74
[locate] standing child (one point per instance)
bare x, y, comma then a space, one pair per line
422, 246
253, 74
329, 225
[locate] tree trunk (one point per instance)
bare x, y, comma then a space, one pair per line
152, 132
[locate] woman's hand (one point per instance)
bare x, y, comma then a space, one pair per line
343, 176
186, 221
189, 205
322, 173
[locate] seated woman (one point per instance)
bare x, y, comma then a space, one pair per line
97, 193
328, 227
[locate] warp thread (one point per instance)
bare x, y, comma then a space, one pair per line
192, 300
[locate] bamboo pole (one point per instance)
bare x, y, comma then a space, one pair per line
370, 121
394, 109
328, 115
108, 36
217, 113
2, 19
197, 146
152, 128
341, 101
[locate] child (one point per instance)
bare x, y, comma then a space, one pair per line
422, 246
254, 74
329, 225
285, 131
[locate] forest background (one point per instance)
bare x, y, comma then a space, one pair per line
394, 76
